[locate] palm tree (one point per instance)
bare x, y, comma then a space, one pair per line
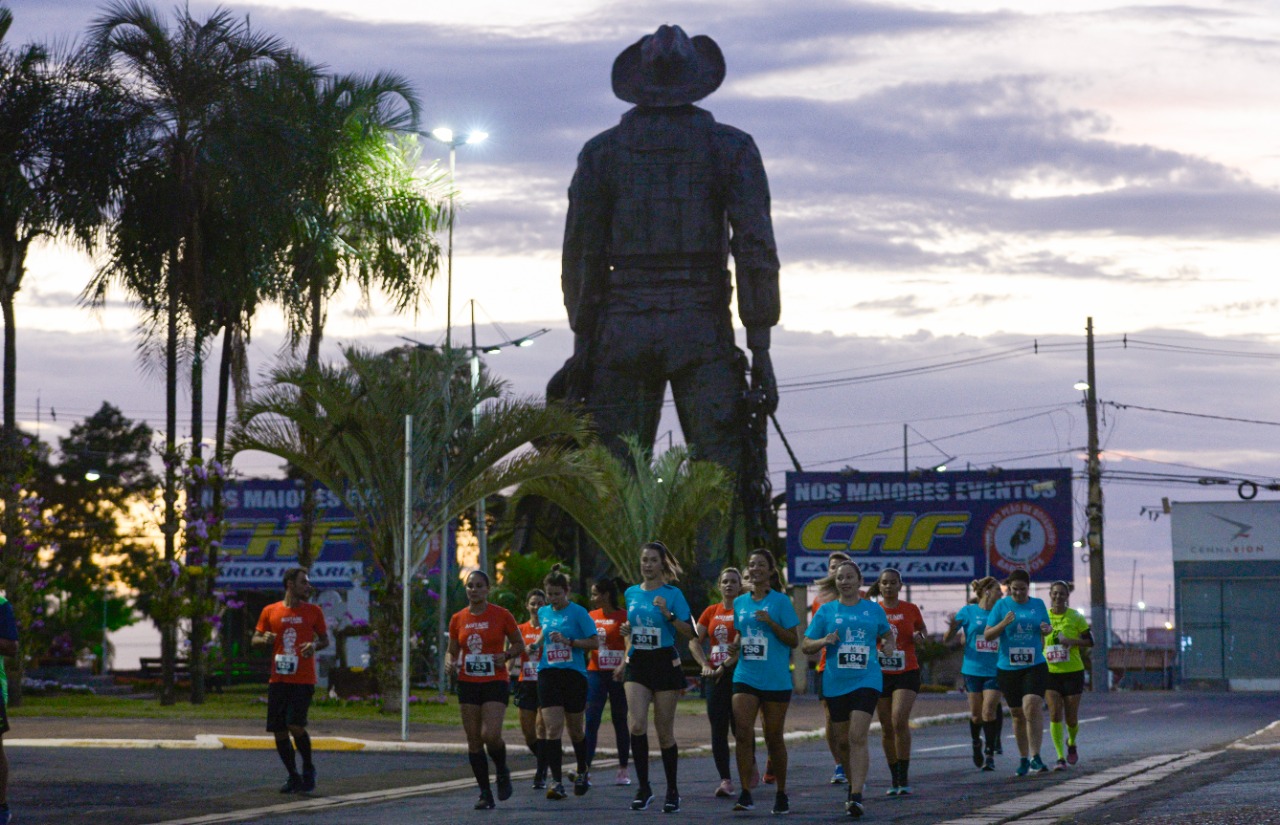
185, 78
628, 502
64, 125
360, 213
345, 426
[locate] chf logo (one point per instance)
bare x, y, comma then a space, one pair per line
899, 533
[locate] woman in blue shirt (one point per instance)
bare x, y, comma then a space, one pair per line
1021, 622
979, 670
767, 626
850, 629
568, 631
657, 616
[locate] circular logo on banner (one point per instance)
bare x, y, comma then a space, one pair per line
1020, 536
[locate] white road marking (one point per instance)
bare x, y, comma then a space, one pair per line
938, 748
1139, 710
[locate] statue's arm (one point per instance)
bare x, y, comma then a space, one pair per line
755, 254
584, 260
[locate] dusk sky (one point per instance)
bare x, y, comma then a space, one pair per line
958, 180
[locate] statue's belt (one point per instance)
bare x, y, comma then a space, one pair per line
675, 261
654, 277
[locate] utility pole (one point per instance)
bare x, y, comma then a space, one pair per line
1097, 569
905, 468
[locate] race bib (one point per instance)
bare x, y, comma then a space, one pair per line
983, 646
610, 659
558, 653
1022, 655
644, 638
529, 670
719, 655
480, 664
897, 661
756, 650
853, 657
286, 664
1056, 654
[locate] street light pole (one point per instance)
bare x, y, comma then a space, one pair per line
445, 135
1097, 569
482, 528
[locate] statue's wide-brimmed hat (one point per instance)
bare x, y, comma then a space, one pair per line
668, 68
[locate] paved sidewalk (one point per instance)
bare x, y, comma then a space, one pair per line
805, 715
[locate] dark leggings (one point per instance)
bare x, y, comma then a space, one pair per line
601, 686
720, 712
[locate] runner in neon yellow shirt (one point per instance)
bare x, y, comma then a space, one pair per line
1066, 672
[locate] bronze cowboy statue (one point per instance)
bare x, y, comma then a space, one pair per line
656, 206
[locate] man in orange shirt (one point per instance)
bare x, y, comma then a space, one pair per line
294, 630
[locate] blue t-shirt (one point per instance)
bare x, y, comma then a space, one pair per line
649, 628
764, 662
575, 623
9, 632
852, 662
980, 656
1021, 643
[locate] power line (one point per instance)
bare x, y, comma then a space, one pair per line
1120, 406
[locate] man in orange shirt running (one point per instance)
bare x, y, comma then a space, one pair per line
294, 630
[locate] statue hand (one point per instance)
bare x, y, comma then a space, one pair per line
762, 378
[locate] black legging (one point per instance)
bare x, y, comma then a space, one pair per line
720, 712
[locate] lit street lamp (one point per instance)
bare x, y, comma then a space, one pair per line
445, 135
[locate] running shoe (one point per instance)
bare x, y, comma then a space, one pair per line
999, 748
768, 777
644, 795
1038, 766
571, 776
977, 753
623, 778
892, 791
581, 784
745, 802
539, 783
838, 778
292, 785
754, 781
556, 791
672, 802
504, 785
725, 789
308, 779
485, 802
990, 763
1024, 767
853, 807
1060, 765
1072, 756
904, 790
781, 805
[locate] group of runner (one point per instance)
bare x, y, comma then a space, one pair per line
572, 662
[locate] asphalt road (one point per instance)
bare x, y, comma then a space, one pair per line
131, 787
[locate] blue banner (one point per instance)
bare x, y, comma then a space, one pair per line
933, 527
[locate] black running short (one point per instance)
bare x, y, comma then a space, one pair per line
762, 695
1066, 684
906, 680
287, 705
655, 669
562, 687
479, 693
863, 699
1027, 681
527, 695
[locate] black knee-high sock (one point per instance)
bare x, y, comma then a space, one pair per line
671, 765
540, 751
285, 748
580, 754
499, 757
975, 730
555, 757
893, 774
480, 767
903, 766
640, 756
992, 731
999, 721
303, 741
